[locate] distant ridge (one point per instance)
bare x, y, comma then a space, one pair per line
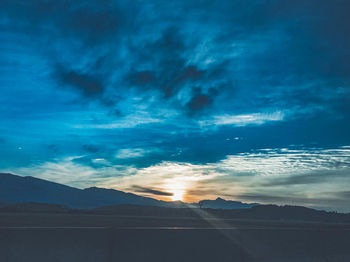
266, 214
220, 203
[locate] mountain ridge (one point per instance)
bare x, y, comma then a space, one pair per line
30, 194
220, 203
18, 189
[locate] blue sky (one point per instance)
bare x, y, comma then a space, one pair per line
247, 100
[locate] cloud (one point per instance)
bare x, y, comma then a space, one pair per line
200, 100
243, 120
146, 190
280, 176
170, 72
85, 83
173, 75
130, 153
315, 177
130, 121
91, 148
246, 56
285, 161
91, 21
343, 194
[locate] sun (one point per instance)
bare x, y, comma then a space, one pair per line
178, 194
176, 188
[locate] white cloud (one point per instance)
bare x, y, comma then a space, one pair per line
295, 173
131, 153
244, 119
129, 122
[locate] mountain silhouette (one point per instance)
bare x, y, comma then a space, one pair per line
17, 189
220, 203
29, 194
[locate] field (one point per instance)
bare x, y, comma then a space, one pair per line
91, 237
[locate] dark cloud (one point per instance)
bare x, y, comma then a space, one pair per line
264, 49
142, 78
309, 178
343, 194
91, 148
67, 33
328, 202
170, 71
140, 189
90, 21
201, 100
86, 84
173, 66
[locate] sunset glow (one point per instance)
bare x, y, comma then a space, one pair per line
177, 195
176, 188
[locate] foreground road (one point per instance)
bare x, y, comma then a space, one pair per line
78, 244
59, 237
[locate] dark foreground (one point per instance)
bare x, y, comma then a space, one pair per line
81, 237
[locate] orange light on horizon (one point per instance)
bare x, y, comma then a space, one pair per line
177, 188
178, 195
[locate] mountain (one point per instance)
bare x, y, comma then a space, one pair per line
29, 194
283, 213
17, 189
265, 214
220, 203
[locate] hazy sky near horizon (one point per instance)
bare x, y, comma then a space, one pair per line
246, 100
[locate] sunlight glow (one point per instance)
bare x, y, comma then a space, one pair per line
177, 188
177, 195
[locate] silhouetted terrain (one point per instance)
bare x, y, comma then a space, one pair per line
40, 232
220, 203
17, 189
261, 212
59, 198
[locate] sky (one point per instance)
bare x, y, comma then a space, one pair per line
180, 100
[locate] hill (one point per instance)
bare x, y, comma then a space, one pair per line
220, 203
17, 189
